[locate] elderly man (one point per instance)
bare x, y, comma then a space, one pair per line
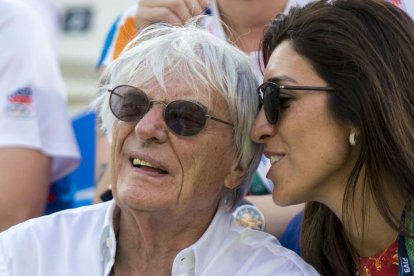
178, 105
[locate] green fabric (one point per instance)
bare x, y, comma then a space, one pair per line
409, 224
257, 187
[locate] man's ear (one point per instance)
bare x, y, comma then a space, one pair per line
235, 176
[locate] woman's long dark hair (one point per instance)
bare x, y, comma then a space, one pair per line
364, 49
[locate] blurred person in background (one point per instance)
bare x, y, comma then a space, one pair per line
338, 126
239, 23
178, 105
405, 5
37, 144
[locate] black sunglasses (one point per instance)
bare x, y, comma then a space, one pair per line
184, 118
269, 97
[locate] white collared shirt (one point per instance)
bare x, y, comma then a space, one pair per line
82, 242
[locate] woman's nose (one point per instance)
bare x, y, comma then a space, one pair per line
262, 129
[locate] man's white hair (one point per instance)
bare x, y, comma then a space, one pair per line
163, 52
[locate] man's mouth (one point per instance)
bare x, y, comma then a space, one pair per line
138, 163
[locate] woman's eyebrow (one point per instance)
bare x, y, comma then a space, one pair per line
279, 79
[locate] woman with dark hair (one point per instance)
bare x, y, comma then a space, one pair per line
338, 126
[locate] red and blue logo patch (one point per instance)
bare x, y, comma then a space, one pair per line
20, 103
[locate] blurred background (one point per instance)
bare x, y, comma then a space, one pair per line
82, 28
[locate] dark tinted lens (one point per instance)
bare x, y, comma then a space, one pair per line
185, 118
128, 103
270, 101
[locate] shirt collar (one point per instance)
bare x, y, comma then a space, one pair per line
186, 260
193, 259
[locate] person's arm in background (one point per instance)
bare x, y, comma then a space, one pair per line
37, 145
175, 12
123, 30
24, 184
102, 179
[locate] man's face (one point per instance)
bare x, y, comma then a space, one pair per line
155, 170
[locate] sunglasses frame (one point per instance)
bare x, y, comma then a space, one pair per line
272, 113
151, 103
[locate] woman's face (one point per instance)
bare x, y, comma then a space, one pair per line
308, 148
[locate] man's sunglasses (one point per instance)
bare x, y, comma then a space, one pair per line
269, 93
184, 118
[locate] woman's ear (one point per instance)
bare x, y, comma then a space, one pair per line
234, 177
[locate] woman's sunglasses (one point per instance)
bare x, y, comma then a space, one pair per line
269, 93
184, 118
